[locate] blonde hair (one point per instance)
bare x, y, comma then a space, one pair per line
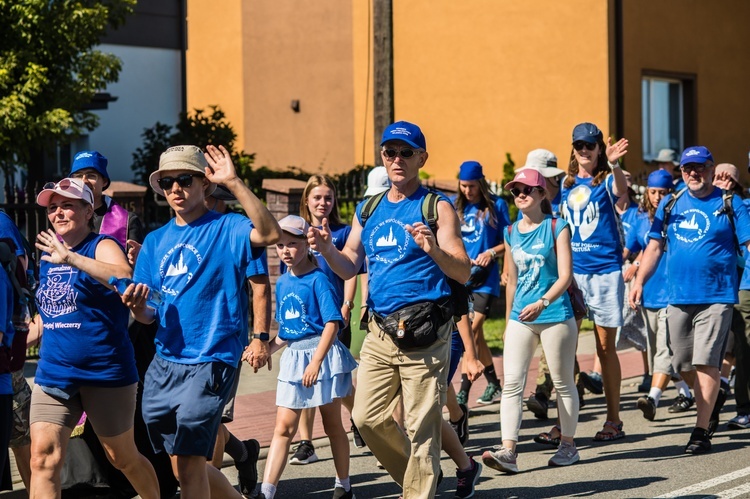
312, 183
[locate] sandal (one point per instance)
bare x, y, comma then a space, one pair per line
546, 437
606, 436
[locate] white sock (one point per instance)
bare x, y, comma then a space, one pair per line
343, 483
268, 490
655, 393
683, 388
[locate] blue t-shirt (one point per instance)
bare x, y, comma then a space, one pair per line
745, 281
8, 230
85, 340
595, 234
304, 304
701, 258
655, 293
479, 236
536, 260
628, 219
6, 327
200, 269
401, 273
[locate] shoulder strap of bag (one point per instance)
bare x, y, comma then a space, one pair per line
728, 198
370, 206
667, 211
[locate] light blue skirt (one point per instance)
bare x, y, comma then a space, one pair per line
334, 379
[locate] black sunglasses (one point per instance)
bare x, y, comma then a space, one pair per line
405, 153
185, 180
580, 144
527, 190
694, 167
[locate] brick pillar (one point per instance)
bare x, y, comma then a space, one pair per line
283, 197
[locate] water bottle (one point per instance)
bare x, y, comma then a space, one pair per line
154, 297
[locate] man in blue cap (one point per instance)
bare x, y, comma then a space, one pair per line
700, 227
405, 355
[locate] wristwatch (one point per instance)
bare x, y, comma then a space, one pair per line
545, 302
261, 336
349, 304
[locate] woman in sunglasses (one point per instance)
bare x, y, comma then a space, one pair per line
86, 361
593, 184
538, 309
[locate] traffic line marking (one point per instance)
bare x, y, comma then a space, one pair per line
713, 482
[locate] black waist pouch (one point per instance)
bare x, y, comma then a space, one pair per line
415, 326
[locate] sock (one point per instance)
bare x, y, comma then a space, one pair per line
465, 383
683, 388
268, 490
490, 376
655, 393
344, 483
235, 448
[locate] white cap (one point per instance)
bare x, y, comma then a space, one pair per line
377, 181
543, 161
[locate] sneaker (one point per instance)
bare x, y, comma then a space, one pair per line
721, 398
698, 447
247, 470
304, 453
462, 397
340, 493
647, 407
491, 394
466, 480
645, 385
359, 442
592, 381
681, 404
538, 405
501, 458
566, 455
461, 427
740, 422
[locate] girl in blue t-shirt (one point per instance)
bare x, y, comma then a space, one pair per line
594, 181
538, 308
316, 368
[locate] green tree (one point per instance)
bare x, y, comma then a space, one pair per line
50, 70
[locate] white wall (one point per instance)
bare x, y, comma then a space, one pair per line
148, 91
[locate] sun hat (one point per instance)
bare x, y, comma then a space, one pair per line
93, 160
667, 156
660, 179
527, 176
222, 194
470, 170
729, 168
405, 132
294, 224
543, 161
377, 181
73, 188
178, 158
587, 132
696, 154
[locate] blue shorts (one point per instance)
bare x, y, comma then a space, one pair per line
183, 403
457, 350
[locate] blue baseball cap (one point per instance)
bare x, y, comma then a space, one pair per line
660, 179
696, 154
587, 132
470, 170
93, 160
405, 132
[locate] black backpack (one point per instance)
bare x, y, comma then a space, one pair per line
460, 295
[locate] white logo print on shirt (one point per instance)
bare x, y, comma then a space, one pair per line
175, 267
472, 228
693, 226
293, 320
56, 296
385, 241
529, 268
582, 220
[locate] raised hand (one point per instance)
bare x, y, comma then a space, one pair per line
220, 167
320, 238
423, 236
617, 150
48, 242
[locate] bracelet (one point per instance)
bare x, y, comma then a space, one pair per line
493, 253
637, 263
614, 165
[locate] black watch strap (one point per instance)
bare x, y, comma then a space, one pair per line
261, 336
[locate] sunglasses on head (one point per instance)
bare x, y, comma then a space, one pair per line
185, 180
63, 185
405, 153
527, 190
579, 145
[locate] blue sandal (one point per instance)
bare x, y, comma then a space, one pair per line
604, 436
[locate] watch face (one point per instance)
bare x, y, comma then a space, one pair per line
261, 336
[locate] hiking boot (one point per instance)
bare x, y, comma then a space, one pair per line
304, 453
739, 422
681, 404
566, 455
461, 427
647, 407
340, 493
538, 405
645, 385
592, 381
501, 458
466, 480
247, 470
491, 394
359, 442
462, 397
721, 398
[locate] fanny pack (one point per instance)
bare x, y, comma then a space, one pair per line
415, 326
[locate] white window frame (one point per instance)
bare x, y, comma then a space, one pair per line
653, 139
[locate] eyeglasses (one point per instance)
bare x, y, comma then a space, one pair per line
579, 145
63, 185
185, 180
405, 153
527, 190
94, 177
694, 167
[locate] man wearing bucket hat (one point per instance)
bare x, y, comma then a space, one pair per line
408, 264
697, 227
197, 262
666, 160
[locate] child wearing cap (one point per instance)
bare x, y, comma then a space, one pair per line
316, 368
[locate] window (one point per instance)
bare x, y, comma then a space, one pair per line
663, 107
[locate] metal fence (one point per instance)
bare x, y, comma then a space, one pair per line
21, 207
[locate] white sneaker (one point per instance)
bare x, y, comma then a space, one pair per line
566, 455
501, 458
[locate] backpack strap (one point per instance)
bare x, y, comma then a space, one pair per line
727, 197
370, 206
667, 211
429, 210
